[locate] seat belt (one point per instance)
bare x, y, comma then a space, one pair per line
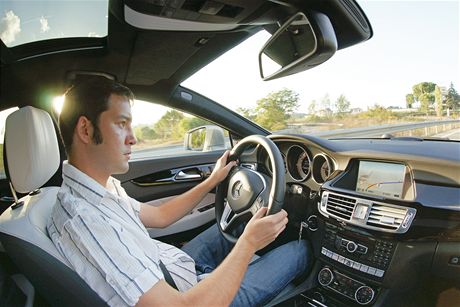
167, 275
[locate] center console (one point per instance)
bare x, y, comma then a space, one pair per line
353, 264
359, 253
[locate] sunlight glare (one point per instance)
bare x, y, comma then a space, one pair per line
58, 102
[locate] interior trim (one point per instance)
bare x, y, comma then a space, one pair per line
150, 22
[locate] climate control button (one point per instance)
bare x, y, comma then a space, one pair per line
364, 295
325, 277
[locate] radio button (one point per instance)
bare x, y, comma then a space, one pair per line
335, 256
361, 249
379, 273
364, 268
341, 259
349, 262
356, 265
351, 246
371, 270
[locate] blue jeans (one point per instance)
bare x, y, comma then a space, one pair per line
265, 278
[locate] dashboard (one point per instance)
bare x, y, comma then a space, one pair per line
386, 213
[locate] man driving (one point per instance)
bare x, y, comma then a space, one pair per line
102, 232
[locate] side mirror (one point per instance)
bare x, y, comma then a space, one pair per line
300, 44
205, 138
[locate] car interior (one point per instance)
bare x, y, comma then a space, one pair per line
371, 245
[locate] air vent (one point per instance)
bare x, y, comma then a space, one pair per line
366, 213
386, 217
340, 206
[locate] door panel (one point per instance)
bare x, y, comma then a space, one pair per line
153, 181
202, 214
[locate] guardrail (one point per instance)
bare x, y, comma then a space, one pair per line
378, 131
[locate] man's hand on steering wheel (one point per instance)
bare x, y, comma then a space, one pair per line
221, 170
262, 230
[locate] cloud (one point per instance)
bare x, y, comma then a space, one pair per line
10, 26
44, 27
93, 34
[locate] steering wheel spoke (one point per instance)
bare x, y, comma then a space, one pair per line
230, 220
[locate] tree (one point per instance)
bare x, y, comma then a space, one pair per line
326, 103
274, 110
312, 107
342, 104
247, 112
438, 100
166, 126
188, 123
424, 93
410, 100
452, 98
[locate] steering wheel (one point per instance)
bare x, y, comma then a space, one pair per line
245, 190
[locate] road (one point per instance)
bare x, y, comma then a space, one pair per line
174, 150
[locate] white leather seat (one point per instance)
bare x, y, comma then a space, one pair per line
32, 154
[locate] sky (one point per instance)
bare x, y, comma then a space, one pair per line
414, 41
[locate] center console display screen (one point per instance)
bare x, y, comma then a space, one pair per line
381, 179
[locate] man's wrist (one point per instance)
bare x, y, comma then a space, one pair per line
244, 244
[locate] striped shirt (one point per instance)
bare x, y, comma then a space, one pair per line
98, 230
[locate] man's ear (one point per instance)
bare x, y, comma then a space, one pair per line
84, 130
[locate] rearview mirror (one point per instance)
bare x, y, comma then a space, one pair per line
299, 44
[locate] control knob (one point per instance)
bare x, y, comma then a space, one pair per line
364, 295
351, 246
325, 277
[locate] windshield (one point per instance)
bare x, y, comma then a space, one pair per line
402, 82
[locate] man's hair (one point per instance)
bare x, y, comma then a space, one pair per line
88, 98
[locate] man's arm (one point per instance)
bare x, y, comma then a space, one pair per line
221, 286
178, 207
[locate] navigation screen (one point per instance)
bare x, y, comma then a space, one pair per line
379, 178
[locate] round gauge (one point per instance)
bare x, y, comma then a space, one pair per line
322, 168
325, 171
364, 295
269, 164
303, 164
298, 162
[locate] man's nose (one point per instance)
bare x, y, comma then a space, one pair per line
131, 140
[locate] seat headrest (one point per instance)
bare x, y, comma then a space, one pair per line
31, 148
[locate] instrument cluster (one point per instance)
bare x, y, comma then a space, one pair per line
301, 164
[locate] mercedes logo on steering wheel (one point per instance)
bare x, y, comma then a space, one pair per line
236, 189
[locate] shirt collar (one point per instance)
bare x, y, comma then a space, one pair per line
83, 184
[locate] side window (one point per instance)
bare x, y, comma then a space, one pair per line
163, 131
3, 115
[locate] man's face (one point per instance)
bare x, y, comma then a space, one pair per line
113, 153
